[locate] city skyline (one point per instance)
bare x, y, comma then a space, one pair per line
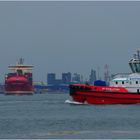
69, 36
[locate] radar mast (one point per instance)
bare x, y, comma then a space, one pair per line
134, 63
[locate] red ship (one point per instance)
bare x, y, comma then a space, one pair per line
123, 89
19, 81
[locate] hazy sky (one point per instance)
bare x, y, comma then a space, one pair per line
69, 36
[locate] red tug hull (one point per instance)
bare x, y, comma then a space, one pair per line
102, 95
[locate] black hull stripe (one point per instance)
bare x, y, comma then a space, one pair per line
94, 96
110, 92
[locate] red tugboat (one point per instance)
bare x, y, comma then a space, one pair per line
19, 81
123, 89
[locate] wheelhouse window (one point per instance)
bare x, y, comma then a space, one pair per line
122, 82
131, 67
136, 82
116, 82
138, 67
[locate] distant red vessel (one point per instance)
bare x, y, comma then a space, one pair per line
123, 89
19, 81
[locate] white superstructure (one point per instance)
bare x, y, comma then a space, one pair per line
131, 81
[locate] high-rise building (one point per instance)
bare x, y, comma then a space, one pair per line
92, 77
51, 78
106, 73
76, 78
66, 78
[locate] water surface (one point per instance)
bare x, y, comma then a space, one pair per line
48, 116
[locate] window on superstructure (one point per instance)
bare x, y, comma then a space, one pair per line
116, 82
138, 67
132, 68
122, 82
136, 82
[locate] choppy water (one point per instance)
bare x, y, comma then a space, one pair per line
48, 116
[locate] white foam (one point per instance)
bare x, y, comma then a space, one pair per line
73, 102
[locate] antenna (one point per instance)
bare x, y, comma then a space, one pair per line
138, 54
21, 61
135, 56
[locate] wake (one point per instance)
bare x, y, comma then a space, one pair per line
74, 103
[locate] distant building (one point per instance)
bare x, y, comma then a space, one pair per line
66, 78
106, 73
92, 77
62, 84
58, 82
51, 78
76, 78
